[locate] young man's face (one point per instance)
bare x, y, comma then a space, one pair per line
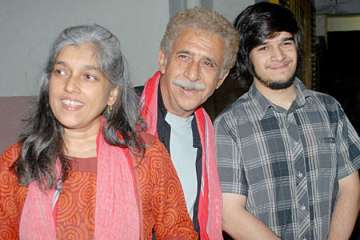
275, 61
191, 71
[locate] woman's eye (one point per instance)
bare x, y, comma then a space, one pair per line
90, 77
59, 71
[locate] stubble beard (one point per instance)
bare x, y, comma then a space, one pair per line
275, 85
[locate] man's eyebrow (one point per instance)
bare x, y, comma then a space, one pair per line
289, 39
183, 51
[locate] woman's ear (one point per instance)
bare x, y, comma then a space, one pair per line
113, 95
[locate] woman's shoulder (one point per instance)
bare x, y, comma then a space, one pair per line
154, 155
9, 156
153, 146
147, 138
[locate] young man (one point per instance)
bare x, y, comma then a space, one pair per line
197, 50
287, 156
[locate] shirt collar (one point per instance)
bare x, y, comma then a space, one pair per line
162, 114
263, 105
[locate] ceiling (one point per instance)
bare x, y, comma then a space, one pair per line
337, 7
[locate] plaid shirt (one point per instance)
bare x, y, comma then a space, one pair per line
287, 162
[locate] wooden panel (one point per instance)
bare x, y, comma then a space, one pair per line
305, 15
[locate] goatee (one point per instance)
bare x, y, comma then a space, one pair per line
276, 85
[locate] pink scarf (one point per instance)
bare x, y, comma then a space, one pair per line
117, 214
210, 201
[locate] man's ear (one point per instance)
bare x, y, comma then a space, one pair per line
162, 61
222, 79
113, 95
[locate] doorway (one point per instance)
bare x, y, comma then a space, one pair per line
340, 75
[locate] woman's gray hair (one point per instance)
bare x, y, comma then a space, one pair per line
111, 63
110, 60
42, 139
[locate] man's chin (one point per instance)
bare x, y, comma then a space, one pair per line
281, 85
278, 84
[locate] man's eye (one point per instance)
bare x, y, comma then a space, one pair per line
288, 43
208, 63
262, 48
183, 56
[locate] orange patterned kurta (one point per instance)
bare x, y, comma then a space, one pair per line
162, 200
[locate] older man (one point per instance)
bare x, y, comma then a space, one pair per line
197, 51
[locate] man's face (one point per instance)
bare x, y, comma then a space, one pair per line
275, 61
191, 71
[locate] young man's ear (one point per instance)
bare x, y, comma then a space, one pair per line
113, 95
162, 61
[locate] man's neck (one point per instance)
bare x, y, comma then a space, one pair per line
280, 97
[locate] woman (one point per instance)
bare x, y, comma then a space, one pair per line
83, 169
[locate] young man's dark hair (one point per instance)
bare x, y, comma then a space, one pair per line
258, 23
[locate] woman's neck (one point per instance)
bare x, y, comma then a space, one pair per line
81, 143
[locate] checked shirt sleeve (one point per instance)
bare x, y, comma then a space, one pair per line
348, 147
230, 164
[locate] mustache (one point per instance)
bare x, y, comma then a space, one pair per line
189, 85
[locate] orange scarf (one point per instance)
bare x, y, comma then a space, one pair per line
117, 214
210, 201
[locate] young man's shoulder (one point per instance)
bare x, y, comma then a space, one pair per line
237, 109
328, 101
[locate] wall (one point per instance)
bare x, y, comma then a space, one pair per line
343, 23
29, 27
231, 8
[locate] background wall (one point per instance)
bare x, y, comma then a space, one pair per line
29, 27
231, 8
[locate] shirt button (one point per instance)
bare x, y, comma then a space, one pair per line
304, 239
302, 208
300, 175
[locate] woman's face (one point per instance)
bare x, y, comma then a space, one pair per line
78, 90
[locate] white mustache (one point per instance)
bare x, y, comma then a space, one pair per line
189, 85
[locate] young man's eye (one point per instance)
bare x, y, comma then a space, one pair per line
262, 48
288, 43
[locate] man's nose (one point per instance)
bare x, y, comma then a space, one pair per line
192, 71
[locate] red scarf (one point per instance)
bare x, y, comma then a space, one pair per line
210, 201
117, 214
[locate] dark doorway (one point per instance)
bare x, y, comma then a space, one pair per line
340, 75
